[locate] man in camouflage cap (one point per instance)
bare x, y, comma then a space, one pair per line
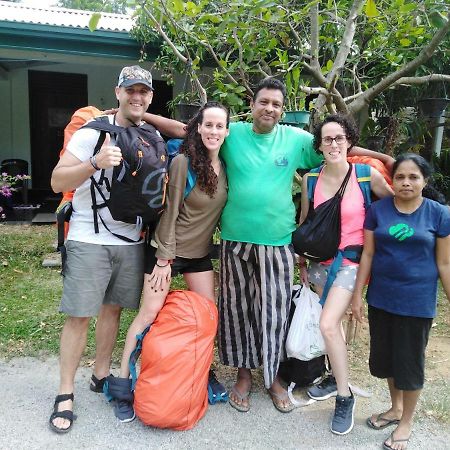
102, 273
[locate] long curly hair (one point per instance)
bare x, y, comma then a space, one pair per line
194, 148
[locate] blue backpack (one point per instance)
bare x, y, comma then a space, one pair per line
362, 175
173, 149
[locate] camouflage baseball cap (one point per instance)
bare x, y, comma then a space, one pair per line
134, 75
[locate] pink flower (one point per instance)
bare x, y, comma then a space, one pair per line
7, 183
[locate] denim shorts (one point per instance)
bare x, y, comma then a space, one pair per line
95, 275
345, 278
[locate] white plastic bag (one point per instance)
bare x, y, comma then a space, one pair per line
304, 340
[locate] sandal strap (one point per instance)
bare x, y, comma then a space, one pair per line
240, 396
280, 396
66, 414
63, 397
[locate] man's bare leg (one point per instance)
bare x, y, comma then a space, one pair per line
105, 338
72, 344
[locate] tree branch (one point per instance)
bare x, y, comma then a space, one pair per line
333, 17
200, 89
314, 18
166, 38
421, 80
344, 48
241, 61
347, 38
216, 59
385, 83
264, 71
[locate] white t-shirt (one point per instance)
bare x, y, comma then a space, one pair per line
81, 228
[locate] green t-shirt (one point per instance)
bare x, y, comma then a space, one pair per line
260, 171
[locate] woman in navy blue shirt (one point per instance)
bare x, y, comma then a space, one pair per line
406, 250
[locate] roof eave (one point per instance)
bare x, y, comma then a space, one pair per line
68, 40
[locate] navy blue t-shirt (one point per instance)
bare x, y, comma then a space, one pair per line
404, 273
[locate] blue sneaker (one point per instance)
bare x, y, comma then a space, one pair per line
119, 391
325, 389
216, 391
343, 418
124, 411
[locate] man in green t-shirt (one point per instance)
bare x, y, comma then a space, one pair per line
257, 258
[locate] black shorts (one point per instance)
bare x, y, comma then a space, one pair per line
397, 348
179, 265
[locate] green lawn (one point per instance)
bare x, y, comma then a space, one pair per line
30, 323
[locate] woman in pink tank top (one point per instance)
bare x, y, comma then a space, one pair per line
334, 137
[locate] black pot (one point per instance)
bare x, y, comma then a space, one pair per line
433, 107
186, 111
375, 143
25, 213
384, 121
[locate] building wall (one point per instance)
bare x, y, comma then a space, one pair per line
14, 124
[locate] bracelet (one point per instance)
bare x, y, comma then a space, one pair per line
93, 162
165, 265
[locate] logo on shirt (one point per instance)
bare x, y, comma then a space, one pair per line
401, 231
281, 161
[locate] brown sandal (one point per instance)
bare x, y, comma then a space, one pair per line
277, 400
239, 406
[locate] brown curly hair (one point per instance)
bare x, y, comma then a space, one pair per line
194, 148
345, 121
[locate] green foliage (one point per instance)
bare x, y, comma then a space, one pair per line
108, 6
441, 175
246, 40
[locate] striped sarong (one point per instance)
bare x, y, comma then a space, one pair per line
255, 296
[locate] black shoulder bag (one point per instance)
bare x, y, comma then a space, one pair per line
319, 236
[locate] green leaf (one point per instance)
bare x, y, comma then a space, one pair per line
437, 19
405, 42
371, 9
329, 65
408, 8
178, 5
233, 100
93, 21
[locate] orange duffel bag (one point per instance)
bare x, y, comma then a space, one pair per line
373, 162
177, 351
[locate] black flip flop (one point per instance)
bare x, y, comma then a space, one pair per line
393, 441
388, 422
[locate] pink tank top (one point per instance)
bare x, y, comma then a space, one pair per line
352, 214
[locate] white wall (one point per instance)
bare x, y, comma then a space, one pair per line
14, 102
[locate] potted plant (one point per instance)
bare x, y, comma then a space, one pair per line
184, 106
9, 185
433, 107
295, 113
